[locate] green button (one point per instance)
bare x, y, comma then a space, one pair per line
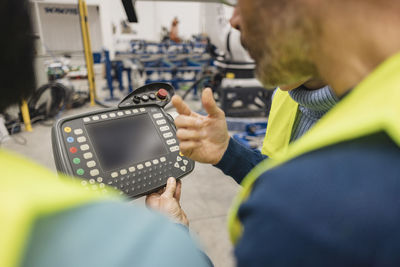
77, 160
80, 172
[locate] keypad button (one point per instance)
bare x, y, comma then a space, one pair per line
86, 119
84, 183
132, 169
123, 172
178, 158
92, 181
112, 115
73, 150
76, 161
99, 179
164, 128
174, 148
84, 147
120, 113
167, 135
161, 122
147, 164
163, 159
91, 164
145, 98
171, 142
78, 131
88, 155
102, 185
142, 110
157, 116
128, 112
80, 172
152, 96
94, 172
67, 129
70, 139
95, 118
155, 162
176, 165
183, 168
81, 139
104, 116
185, 162
135, 111
140, 167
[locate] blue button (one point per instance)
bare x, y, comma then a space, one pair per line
70, 139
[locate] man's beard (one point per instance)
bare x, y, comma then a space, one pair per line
284, 65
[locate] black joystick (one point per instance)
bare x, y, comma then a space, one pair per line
136, 99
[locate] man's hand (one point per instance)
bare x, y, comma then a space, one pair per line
202, 138
167, 200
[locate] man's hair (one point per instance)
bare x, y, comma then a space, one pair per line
17, 79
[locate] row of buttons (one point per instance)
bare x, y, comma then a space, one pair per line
113, 115
164, 129
83, 147
130, 184
139, 167
76, 132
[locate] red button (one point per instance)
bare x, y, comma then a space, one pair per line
162, 94
73, 150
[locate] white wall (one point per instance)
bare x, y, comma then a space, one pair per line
152, 15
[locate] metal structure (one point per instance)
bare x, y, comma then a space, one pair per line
88, 50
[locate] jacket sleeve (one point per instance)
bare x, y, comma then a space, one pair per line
238, 160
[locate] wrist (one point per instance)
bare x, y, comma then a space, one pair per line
222, 151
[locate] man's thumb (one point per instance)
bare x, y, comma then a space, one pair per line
209, 104
171, 188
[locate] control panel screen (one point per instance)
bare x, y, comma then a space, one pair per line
135, 140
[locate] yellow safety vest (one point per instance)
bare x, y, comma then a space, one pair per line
28, 192
373, 106
280, 124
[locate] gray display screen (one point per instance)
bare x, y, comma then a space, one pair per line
122, 142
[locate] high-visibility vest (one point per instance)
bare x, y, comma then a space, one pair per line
280, 124
28, 192
372, 107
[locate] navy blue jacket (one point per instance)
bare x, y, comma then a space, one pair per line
337, 206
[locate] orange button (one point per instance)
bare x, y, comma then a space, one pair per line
67, 129
73, 150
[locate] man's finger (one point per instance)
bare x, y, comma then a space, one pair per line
183, 121
178, 190
209, 103
171, 187
186, 134
152, 200
181, 106
187, 146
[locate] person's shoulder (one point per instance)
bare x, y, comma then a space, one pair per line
357, 179
371, 155
327, 204
121, 233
